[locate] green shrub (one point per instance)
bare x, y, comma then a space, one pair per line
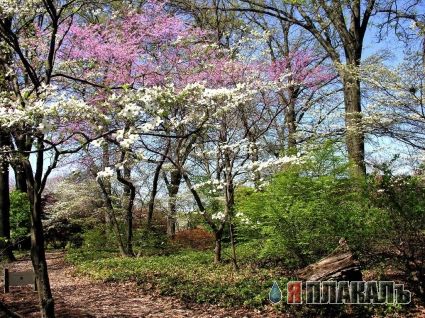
20, 222
99, 239
151, 241
403, 200
305, 210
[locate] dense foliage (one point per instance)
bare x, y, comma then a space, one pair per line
302, 215
20, 222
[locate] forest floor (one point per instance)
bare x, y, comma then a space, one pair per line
82, 297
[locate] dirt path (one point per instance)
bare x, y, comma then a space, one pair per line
80, 297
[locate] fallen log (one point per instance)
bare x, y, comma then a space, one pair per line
340, 265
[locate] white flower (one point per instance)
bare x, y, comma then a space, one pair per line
219, 216
130, 111
126, 143
45, 126
98, 143
107, 173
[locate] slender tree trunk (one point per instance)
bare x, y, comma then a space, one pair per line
5, 244
229, 207
173, 189
154, 191
38, 253
230, 210
130, 192
5, 143
111, 212
291, 125
21, 184
107, 184
232, 233
218, 230
290, 116
217, 250
24, 146
38, 256
124, 177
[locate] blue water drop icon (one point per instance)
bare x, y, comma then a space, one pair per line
275, 294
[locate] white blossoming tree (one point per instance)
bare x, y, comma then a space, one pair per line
58, 125
227, 152
147, 119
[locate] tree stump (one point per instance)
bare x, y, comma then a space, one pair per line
340, 265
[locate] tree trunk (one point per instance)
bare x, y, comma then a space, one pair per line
24, 146
5, 245
107, 185
153, 193
230, 206
130, 193
217, 250
233, 244
5, 142
21, 184
218, 231
19, 169
173, 189
291, 125
38, 254
353, 119
111, 213
38, 257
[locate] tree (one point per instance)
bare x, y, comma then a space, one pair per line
175, 54
5, 245
55, 122
396, 100
221, 158
216, 67
335, 24
5, 143
30, 30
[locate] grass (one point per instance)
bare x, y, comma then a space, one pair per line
189, 275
